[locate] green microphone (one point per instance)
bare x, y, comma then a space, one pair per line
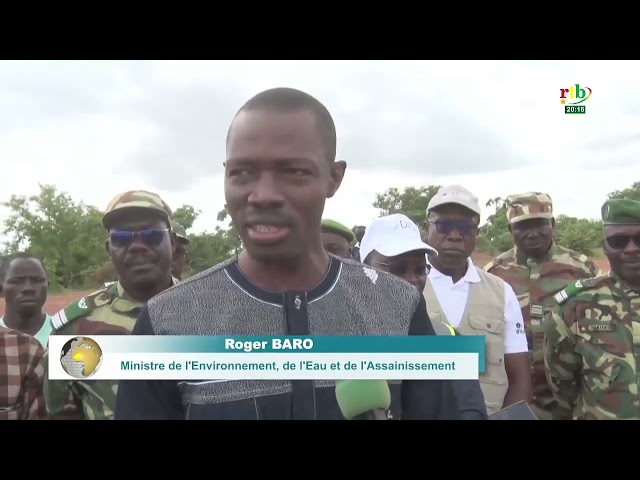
363, 399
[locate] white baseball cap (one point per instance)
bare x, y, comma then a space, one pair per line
455, 194
393, 235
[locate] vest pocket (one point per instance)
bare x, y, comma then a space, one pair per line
492, 330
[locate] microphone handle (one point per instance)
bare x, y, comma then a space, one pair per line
372, 415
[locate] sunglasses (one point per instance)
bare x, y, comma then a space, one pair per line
445, 227
619, 242
400, 269
151, 237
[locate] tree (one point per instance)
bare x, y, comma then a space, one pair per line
579, 234
494, 236
208, 249
68, 237
631, 193
411, 201
232, 237
186, 216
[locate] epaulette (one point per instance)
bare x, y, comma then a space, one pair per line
79, 309
499, 260
580, 257
573, 289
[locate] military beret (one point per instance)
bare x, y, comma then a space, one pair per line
528, 205
332, 226
135, 199
181, 233
620, 212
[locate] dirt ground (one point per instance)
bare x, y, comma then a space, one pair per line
59, 301
56, 302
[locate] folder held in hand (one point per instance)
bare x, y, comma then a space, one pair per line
517, 411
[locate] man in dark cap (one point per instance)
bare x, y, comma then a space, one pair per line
180, 252
336, 238
592, 337
140, 246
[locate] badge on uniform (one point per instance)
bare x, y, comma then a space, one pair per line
536, 310
601, 327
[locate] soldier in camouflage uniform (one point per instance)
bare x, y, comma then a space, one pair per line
180, 252
592, 338
140, 246
537, 268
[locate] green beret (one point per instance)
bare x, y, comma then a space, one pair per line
620, 212
339, 229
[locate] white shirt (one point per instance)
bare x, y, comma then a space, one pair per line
453, 300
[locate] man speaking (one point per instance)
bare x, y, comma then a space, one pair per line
280, 169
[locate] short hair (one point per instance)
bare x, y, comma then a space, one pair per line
6, 263
283, 99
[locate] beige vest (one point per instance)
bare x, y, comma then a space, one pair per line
483, 315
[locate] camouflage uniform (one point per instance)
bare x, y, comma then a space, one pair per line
535, 282
592, 343
109, 311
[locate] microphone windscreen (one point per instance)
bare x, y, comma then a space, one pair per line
356, 397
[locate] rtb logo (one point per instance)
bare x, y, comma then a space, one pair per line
573, 96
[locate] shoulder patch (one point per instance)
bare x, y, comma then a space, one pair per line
573, 289
489, 266
73, 311
504, 257
580, 257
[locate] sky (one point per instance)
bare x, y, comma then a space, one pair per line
97, 128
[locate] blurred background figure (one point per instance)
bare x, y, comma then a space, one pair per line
336, 238
359, 233
180, 253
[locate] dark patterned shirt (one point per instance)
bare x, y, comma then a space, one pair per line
21, 377
352, 299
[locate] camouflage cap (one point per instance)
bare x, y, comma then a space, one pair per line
332, 226
181, 233
524, 206
620, 212
135, 199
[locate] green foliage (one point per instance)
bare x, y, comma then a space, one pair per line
208, 249
186, 216
579, 234
411, 201
631, 193
494, 237
66, 235
69, 237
